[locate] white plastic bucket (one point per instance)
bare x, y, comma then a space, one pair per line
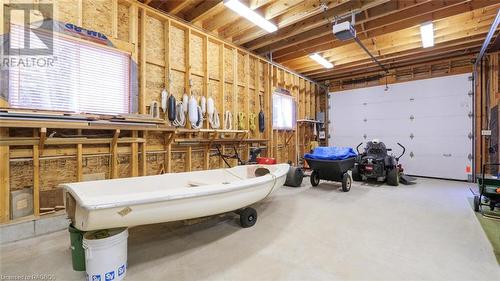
106, 254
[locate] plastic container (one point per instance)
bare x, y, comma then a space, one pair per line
106, 254
266, 161
77, 252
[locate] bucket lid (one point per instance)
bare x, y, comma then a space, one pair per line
103, 234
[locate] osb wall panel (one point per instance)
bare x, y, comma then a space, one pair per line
242, 69
228, 95
178, 84
251, 74
197, 86
155, 39
56, 171
178, 162
177, 50
228, 65
21, 174
96, 165
262, 78
124, 166
155, 163
197, 160
66, 11
213, 91
155, 139
214, 161
213, 60
196, 54
155, 77
123, 22
242, 99
96, 15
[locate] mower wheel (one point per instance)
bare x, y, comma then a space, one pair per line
346, 182
476, 203
314, 178
355, 173
393, 176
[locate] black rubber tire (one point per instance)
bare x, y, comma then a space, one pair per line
476, 203
355, 173
346, 182
248, 217
393, 176
294, 177
314, 178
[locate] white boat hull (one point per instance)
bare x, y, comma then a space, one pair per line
169, 197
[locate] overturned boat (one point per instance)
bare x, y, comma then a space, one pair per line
136, 201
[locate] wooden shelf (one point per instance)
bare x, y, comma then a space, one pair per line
6, 122
66, 141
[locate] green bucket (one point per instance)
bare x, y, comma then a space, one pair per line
77, 252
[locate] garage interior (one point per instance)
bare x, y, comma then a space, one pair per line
249, 140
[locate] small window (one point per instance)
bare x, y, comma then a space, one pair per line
283, 112
84, 78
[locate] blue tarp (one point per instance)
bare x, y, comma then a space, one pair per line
331, 153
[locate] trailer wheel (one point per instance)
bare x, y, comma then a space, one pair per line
346, 182
248, 217
355, 173
393, 176
314, 178
476, 203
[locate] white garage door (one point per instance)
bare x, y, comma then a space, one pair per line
431, 117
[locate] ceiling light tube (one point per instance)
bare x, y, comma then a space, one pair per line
427, 34
250, 15
321, 60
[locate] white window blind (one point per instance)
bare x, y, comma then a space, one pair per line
84, 78
283, 112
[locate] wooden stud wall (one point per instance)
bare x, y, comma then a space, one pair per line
169, 54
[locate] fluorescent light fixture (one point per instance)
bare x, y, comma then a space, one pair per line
321, 60
250, 15
427, 34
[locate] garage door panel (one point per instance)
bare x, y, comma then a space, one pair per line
430, 117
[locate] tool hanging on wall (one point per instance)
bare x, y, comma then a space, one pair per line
195, 115
181, 110
261, 116
164, 98
241, 120
154, 110
228, 120
251, 121
212, 114
203, 105
171, 102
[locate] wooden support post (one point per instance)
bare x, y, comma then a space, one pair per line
114, 155
135, 156
36, 178
205, 74
4, 178
79, 162
222, 93
187, 80
144, 158
235, 89
133, 30
114, 18
168, 151
142, 64
43, 137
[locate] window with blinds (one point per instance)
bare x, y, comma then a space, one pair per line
83, 78
283, 112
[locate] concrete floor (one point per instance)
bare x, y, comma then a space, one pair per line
426, 231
